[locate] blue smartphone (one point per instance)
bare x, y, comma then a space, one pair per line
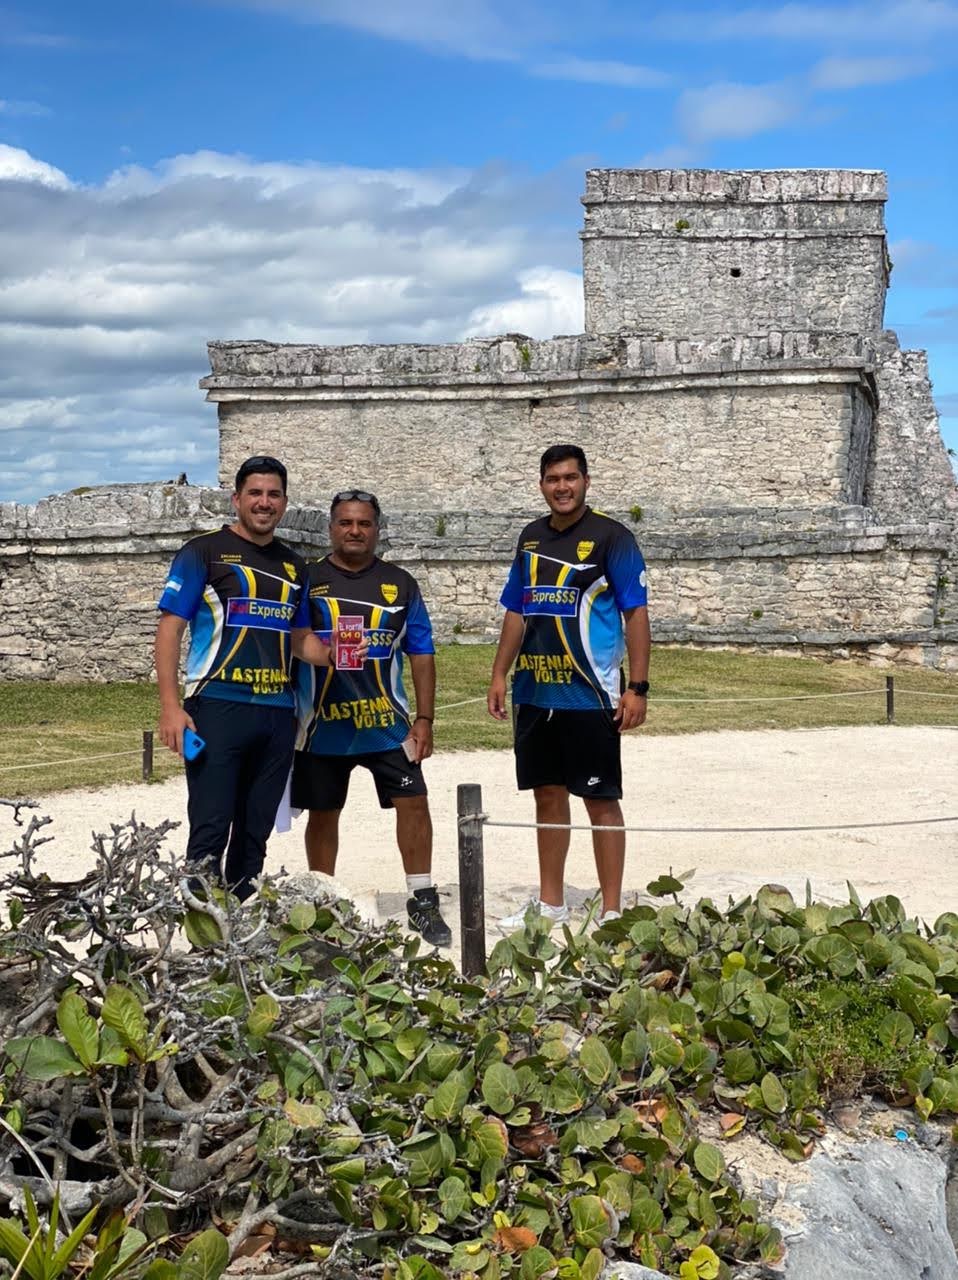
193, 744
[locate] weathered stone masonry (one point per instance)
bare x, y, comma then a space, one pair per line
778, 454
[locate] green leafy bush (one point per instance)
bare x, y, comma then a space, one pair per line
301, 1071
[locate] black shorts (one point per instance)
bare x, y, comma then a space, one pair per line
578, 750
322, 782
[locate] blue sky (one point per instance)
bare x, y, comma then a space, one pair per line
398, 170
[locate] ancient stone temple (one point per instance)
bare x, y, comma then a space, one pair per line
735, 394
741, 406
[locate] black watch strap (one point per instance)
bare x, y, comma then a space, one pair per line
641, 687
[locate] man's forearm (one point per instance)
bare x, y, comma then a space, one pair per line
510, 641
423, 669
166, 658
638, 642
308, 646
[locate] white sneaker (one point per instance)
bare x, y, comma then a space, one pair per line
557, 915
606, 917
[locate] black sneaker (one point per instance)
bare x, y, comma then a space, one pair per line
425, 918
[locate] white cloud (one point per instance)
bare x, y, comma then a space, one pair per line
909, 21
20, 166
676, 156
11, 107
109, 293
853, 73
549, 303
727, 110
921, 264
622, 75
471, 28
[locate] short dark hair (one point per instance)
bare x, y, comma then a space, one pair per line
559, 453
261, 464
355, 495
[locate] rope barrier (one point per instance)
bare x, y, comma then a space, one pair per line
790, 697
582, 826
785, 697
43, 764
923, 693
465, 702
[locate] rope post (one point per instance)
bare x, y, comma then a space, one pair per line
147, 754
889, 699
472, 905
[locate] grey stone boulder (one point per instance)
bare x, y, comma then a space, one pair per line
870, 1209
630, 1271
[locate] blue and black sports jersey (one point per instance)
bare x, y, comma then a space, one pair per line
241, 601
344, 713
571, 588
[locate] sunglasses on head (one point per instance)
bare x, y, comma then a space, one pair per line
354, 495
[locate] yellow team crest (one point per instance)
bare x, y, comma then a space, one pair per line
290, 570
390, 591
584, 550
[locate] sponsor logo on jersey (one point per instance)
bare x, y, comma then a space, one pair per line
643, 579
322, 589
530, 546
290, 570
390, 592
584, 550
557, 602
226, 558
381, 641
261, 615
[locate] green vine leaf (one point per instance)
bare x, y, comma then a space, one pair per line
78, 1028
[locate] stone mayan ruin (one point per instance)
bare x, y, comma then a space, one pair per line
776, 452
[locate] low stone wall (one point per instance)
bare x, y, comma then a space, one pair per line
80, 575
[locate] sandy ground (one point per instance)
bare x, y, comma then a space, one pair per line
728, 779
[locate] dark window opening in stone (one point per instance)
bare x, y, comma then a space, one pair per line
534, 402
735, 272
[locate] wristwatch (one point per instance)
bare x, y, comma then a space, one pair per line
641, 687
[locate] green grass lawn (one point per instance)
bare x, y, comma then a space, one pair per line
57, 726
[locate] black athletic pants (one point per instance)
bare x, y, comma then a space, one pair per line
235, 785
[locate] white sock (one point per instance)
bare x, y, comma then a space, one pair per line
421, 881
547, 908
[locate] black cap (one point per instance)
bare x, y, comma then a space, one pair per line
260, 464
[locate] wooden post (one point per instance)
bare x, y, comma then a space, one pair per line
889, 699
472, 905
147, 754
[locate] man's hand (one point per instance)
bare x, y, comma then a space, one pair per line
630, 712
420, 735
496, 698
173, 720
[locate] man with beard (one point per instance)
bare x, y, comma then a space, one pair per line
243, 594
362, 717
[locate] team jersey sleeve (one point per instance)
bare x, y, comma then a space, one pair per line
625, 569
511, 597
185, 583
418, 637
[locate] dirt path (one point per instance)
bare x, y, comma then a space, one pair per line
728, 779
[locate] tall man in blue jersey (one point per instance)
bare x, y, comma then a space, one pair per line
243, 594
350, 718
575, 604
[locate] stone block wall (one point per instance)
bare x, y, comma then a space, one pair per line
670, 425
80, 576
704, 251
752, 445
